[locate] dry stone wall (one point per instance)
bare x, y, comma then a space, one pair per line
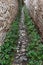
8, 12
40, 16
36, 11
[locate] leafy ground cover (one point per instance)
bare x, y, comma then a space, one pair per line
35, 47
9, 46
8, 49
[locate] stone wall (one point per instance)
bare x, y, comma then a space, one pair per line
8, 12
35, 8
40, 16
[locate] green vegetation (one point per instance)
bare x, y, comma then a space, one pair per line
9, 46
35, 47
8, 49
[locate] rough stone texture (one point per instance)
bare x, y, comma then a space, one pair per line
27, 3
36, 11
40, 16
8, 11
20, 56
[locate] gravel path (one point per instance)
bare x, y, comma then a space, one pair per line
22, 42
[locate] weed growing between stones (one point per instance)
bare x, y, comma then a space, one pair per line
35, 47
